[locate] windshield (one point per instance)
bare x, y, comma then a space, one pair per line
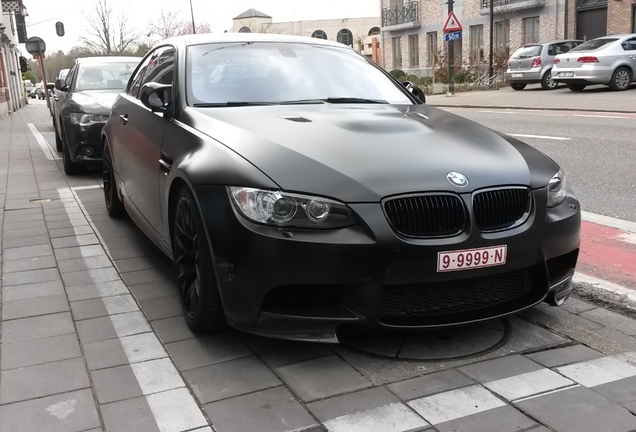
104, 76
527, 51
251, 73
594, 44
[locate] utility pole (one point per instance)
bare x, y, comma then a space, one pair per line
492, 31
451, 55
194, 30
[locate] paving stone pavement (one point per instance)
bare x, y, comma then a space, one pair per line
93, 340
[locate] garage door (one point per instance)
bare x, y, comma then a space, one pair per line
591, 23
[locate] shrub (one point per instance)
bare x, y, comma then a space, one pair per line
398, 73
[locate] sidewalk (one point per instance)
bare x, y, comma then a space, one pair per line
93, 340
594, 98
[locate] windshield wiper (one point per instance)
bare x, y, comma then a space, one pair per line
230, 103
334, 100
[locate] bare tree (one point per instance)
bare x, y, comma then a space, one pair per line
166, 25
186, 28
108, 35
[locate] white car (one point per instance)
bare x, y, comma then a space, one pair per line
608, 60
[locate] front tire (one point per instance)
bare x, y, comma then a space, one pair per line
576, 87
621, 79
517, 86
200, 298
114, 206
70, 167
58, 140
547, 83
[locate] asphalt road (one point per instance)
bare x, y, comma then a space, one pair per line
596, 150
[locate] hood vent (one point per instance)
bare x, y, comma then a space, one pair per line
296, 119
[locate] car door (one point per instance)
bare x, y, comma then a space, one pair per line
59, 98
143, 131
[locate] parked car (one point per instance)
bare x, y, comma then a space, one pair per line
532, 63
315, 191
81, 106
608, 60
28, 87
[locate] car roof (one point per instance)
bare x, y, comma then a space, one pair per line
616, 36
551, 42
107, 59
203, 38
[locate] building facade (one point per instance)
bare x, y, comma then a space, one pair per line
11, 87
360, 33
413, 41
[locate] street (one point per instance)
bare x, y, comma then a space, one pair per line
91, 319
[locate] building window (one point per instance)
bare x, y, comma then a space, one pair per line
319, 34
476, 44
431, 48
245, 30
414, 50
397, 52
345, 37
502, 38
374, 31
530, 30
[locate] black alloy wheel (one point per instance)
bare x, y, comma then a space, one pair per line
547, 83
114, 206
70, 167
200, 297
517, 86
576, 87
621, 79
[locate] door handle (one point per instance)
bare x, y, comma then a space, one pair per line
124, 118
165, 164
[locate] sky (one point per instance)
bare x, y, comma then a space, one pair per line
43, 14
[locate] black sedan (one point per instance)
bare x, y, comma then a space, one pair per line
81, 106
307, 191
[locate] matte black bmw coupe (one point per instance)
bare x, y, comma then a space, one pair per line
299, 189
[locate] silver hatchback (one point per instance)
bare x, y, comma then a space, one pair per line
532, 63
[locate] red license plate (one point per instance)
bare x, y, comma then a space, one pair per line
471, 258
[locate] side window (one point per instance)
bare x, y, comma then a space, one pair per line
629, 44
70, 78
135, 81
160, 67
551, 50
562, 48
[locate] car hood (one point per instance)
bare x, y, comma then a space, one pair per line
362, 153
96, 101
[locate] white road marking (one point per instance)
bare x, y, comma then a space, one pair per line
172, 405
528, 384
628, 238
539, 137
499, 112
395, 417
592, 373
600, 116
609, 221
546, 393
626, 293
43, 143
455, 404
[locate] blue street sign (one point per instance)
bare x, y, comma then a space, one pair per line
453, 36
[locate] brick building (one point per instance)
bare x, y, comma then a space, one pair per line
11, 87
412, 29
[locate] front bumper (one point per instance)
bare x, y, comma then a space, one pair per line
304, 285
84, 142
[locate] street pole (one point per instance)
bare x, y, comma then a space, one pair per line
451, 56
492, 31
194, 30
46, 90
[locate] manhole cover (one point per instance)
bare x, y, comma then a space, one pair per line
430, 345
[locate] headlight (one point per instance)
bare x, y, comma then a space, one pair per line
290, 210
84, 119
557, 191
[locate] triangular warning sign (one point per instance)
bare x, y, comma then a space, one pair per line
452, 23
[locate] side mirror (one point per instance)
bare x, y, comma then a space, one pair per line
50, 86
61, 85
156, 96
415, 91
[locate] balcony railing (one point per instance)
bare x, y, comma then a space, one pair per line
400, 14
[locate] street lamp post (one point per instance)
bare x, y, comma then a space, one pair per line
194, 30
492, 30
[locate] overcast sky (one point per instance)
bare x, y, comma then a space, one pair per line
218, 13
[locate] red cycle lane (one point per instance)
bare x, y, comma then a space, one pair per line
606, 254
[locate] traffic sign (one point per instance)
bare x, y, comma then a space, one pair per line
452, 23
453, 36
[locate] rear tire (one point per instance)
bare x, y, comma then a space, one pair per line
547, 83
576, 87
58, 140
114, 206
200, 298
517, 86
621, 79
